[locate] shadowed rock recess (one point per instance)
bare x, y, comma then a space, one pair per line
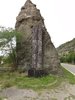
35, 51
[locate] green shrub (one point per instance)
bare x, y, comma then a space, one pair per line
69, 58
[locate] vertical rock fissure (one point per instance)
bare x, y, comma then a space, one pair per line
34, 47
39, 60
37, 47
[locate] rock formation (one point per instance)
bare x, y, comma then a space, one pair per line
34, 47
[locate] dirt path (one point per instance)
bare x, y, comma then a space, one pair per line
69, 67
65, 91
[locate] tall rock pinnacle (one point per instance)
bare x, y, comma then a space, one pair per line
34, 47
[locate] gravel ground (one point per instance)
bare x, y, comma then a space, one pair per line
65, 91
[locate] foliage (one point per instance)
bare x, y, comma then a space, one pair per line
6, 36
1, 57
7, 46
69, 58
10, 60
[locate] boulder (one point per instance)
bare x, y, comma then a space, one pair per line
35, 49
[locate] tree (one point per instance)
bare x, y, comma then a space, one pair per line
69, 58
8, 45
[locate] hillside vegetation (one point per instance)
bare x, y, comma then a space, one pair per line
66, 47
66, 52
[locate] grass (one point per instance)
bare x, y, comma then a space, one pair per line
22, 81
2, 98
69, 76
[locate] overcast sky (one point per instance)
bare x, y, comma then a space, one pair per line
59, 17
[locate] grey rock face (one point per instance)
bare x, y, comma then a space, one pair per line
37, 49
34, 47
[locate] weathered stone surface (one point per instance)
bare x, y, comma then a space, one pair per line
37, 47
34, 48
